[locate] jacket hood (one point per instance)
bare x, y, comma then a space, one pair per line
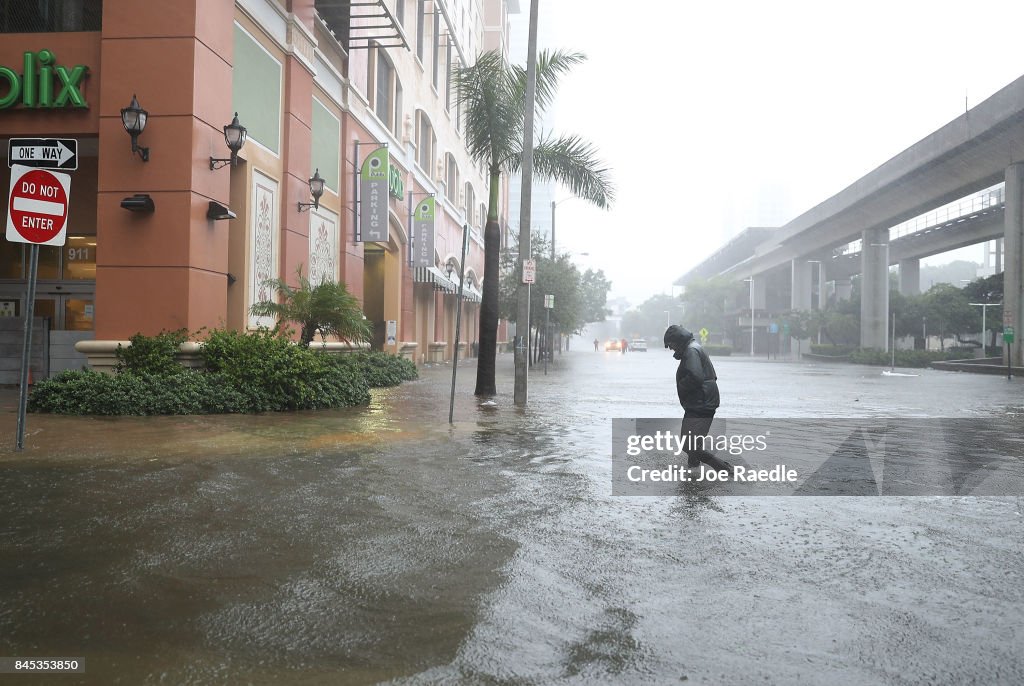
677, 335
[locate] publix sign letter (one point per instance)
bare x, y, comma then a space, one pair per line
42, 83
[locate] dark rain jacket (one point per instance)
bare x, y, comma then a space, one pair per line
696, 380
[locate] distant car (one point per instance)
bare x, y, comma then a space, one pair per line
614, 344
638, 345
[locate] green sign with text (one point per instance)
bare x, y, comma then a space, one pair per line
396, 187
43, 83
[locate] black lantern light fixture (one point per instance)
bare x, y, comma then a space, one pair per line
450, 267
316, 189
134, 119
234, 138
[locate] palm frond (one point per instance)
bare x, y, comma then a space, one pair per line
493, 123
573, 162
551, 65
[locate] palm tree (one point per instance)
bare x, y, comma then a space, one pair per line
493, 95
327, 307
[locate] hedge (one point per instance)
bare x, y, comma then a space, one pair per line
904, 358
243, 372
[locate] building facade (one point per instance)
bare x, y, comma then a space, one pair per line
322, 88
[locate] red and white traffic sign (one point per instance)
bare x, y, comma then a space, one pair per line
529, 271
37, 207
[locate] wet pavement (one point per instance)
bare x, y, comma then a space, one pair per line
380, 544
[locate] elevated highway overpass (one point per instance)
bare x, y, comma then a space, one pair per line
976, 151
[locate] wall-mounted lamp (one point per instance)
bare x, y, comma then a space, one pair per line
216, 212
140, 202
316, 189
450, 267
134, 119
234, 138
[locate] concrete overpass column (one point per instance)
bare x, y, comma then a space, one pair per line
1013, 244
822, 291
874, 300
800, 290
910, 276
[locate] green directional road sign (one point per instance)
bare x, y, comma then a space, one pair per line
1008, 334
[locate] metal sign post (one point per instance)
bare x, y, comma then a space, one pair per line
37, 213
33, 269
458, 316
549, 302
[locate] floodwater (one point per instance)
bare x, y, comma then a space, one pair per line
381, 544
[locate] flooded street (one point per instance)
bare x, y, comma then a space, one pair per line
380, 544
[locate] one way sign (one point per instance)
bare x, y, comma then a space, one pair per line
46, 153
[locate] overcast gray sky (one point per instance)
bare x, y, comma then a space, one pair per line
717, 116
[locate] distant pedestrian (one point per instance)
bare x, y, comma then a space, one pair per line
595, 345
697, 388
624, 346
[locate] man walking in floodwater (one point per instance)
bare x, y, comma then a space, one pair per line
697, 387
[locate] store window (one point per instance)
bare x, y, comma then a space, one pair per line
426, 142
49, 262
385, 91
451, 174
50, 16
79, 258
435, 58
11, 260
421, 20
78, 314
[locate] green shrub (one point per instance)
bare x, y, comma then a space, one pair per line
273, 373
244, 372
382, 369
904, 358
88, 392
151, 354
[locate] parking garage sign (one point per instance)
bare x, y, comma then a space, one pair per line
37, 207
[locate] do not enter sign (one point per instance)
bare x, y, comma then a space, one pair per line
37, 209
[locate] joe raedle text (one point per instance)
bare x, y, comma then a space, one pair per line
676, 473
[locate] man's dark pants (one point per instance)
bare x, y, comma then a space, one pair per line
697, 423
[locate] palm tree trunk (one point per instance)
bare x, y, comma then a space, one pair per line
485, 385
308, 333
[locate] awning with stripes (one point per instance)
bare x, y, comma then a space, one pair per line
471, 294
435, 277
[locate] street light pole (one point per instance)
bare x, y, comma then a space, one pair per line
553, 205
751, 280
523, 309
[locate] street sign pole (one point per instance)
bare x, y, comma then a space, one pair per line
458, 317
37, 213
30, 307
